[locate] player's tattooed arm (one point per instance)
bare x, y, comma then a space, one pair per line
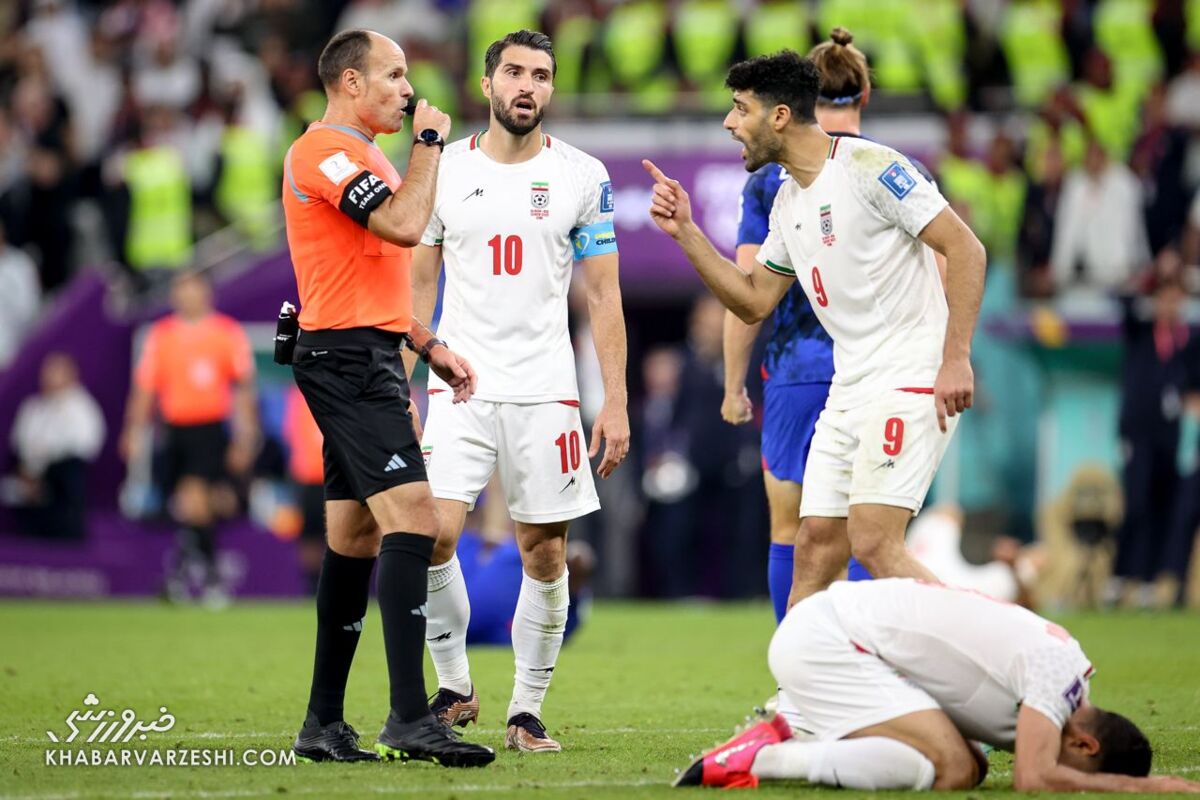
966, 262
751, 296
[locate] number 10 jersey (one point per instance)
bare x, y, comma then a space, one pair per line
510, 234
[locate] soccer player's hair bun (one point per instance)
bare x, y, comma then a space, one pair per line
841, 36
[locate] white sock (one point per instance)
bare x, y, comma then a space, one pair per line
537, 635
449, 613
875, 762
801, 727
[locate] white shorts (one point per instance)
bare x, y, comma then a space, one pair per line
885, 452
836, 685
540, 450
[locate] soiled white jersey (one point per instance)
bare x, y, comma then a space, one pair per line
850, 238
979, 658
510, 234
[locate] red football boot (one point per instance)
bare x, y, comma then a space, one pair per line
728, 764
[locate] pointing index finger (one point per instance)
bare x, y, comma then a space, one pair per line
654, 171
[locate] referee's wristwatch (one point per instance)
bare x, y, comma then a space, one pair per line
430, 138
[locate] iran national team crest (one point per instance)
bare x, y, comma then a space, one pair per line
539, 199
827, 236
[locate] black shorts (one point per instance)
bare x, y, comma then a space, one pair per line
354, 383
195, 451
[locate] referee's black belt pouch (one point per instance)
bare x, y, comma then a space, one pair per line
285, 334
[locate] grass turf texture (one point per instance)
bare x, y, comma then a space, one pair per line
637, 690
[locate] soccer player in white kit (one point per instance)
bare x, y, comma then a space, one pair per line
514, 210
849, 226
899, 678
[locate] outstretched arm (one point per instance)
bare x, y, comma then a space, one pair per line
1036, 767
749, 295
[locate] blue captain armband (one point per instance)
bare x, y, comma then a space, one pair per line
594, 240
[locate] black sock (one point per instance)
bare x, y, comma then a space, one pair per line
342, 592
206, 549
402, 588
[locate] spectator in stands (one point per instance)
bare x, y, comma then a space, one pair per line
20, 297
56, 433
196, 366
1159, 159
1154, 381
1099, 236
166, 75
1183, 96
706, 530
1185, 521
42, 119
1036, 235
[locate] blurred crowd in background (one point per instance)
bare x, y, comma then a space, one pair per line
134, 131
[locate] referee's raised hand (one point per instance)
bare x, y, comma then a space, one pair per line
455, 370
426, 116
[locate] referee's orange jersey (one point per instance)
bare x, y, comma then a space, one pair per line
348, 277
190, 367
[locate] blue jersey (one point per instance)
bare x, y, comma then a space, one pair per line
798, 350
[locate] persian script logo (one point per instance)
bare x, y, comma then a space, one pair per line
109, 726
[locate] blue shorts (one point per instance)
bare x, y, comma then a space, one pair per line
790, 414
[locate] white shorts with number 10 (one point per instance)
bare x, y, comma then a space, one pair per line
539, 448
884, 452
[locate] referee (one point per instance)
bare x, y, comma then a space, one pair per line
350, 224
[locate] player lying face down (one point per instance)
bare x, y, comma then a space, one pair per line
897, 682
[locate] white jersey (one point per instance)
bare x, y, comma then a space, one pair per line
850, 238
510, 234
980, 659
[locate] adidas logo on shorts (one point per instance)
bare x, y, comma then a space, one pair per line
395, 463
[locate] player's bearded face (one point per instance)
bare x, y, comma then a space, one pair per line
519, 114
763, 146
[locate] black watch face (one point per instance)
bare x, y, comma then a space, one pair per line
430, 136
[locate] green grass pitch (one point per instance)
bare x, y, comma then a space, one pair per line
637, 690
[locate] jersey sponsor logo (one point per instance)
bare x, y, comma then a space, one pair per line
897, 180
606, 198
477, 193
539, 198
337, 167
827, 237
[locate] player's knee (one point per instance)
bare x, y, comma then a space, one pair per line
875, 551
818, 532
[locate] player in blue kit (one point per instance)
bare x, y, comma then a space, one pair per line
797, 365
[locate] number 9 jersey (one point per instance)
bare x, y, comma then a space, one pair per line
510, 234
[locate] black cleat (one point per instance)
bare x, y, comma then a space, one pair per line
336, 741
692, 776
428, 739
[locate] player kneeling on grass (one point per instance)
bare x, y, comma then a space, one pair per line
900, 679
